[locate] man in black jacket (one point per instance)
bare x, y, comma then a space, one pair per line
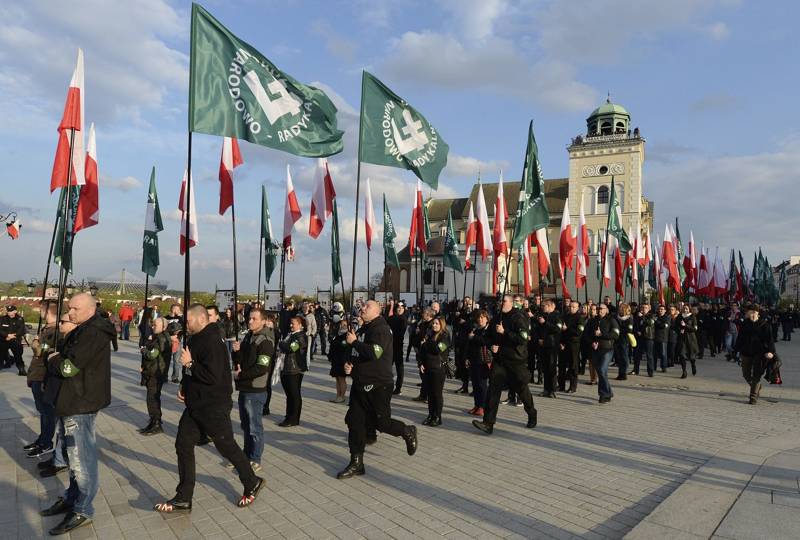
206, 391
398, 323
549, 338
85, 371
371, 392
12, 332
509, 368
570, 348
604, 332
756, 345
253, 358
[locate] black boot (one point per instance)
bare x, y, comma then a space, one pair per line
694, 368
483, 426
410, 436
683, 375
532, 419
354, 468
436, 421
155, 429
427, 421
148, 427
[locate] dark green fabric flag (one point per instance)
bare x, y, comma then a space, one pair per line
63, 254
679, 255
532, 212
615, 222
271, 249
152, 226
235, 91
732, 285
782, 279
389, 234
745, 281
336, 261
450, 254
395, 134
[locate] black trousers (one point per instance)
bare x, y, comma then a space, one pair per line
153, 385
15, 348
568, 366
515, 377
294, 401
397, 358
370, 406
269, 386
216, 423
323, 339
549, 359
434, 381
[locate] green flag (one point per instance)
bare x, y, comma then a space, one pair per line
60, 253
615, 222
532, 212
270, 247
336, 261
395, 134
235, 91
152, 226
679, 254
389, 234
745, 281
782, 279
450, 254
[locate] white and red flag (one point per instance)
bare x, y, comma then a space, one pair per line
720, 276
186, 203
690, 264
470, 238
483, 240
321, 200
526, 265
369, 216
416, 236
500, 217
658, 269
566, 247
88, 213
12, 228
582, 251
670, 260
619, 272
230, 159
542, 250
603, 260
291, 210
703, 275
72, 119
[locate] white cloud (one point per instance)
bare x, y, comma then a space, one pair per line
475, 18
718, 31
338, 45
127, 183
36, 226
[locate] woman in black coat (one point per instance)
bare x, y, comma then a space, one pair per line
685, 325
293, 348
338, 354
434, 350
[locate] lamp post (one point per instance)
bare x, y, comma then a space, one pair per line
93, 289
31, 286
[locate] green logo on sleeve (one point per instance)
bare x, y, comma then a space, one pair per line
442, 347
263, 360
378, 350
294, 346
68, 369
524, 334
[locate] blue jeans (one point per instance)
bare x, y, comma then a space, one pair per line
177, 368
126, 330
623, 358
79, 436
59, 449
600, 361
251, 405
47, 416
660, 353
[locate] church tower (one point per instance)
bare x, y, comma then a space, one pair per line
608, 149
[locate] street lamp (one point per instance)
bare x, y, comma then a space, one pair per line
93, 289
31, 286
70, 288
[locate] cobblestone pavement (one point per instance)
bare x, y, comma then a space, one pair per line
588, 470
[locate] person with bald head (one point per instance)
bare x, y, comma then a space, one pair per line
371, 392
85, 373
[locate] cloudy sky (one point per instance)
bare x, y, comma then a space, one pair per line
711, 83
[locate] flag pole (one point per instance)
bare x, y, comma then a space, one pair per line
186, 263
474, 271
47, 269
260, 255
283, 276
455, 286
358, 195
235, 268
146, 288
65, 261
369, 252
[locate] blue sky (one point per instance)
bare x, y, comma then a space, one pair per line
711, 83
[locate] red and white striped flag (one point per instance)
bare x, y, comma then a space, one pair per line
291, 210
230, 159
604, 261
369, 216
471, 233
71, 119
483, 240
582, 262
670, 260
88, 213
321, 199
192, 209
703, 275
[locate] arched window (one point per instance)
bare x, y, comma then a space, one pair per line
593, 128
588, 199
602, 200
620, 127
605, 128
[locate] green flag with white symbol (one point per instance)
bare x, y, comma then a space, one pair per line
532, 211
152, 226
235, 91
270, 247
62, 252
395, 134
450, 255
389, 234
615, 221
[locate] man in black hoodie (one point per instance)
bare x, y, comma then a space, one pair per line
371, 393
756, 345
206, 391
85, 372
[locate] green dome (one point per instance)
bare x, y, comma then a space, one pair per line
610, 108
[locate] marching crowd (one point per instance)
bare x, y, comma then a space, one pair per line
500, 346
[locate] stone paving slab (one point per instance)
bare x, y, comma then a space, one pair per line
587, 471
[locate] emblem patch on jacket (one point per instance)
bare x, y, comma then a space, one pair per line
378, 350
442, 346
68, 369
263, 360
294, 346
524, 334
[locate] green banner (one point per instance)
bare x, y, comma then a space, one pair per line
271, 249
532, 211
450, 254
60, 253
152, 226
389, 234
336, 262
235, 91
615, 222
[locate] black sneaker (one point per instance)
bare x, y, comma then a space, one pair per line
42, 465
52, 470
30, 446
483, 426
39, 451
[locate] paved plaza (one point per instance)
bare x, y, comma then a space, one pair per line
668, 458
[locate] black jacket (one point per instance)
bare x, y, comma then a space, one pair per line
373, 361
609, 331
156, 356
86, 389
481, 337
293, 347
434, 351
9, 325
687, 336
398, 324
255, 357
573, 328
662, 328
549, 332
513, 341
207, 384
755, 339
645, 326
